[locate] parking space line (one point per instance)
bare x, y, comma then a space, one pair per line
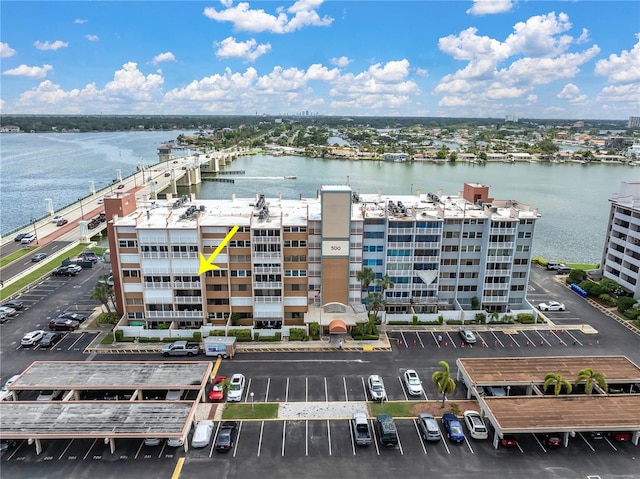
284, 435
539, 443
306, 389
266, 396
404, 340
399, 443
420, 339
611, 444
511, 337
575, 340
326, 390
403, 390
306, 437
353, 442
346, 394
482, 341
435, 339
66, 449
286, 392
562, 342
497, 339
164, 445
260, 440
585, 440
375, 437
444, 440
543, 338
453, 343
466, 439
415, 424
235, 447
364, 388
96, 440
529, 340
178, 469
329, 436
246, 396
215, 437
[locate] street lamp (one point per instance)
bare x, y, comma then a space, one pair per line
251, 396
35, 231
81, 210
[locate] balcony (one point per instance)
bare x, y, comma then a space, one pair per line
267, 285
400, 231
187, 299
173, 314
153, 285
267, 299
184, 254
154, 254
267, 270
502, 245
259, 255
266, 240
187, 285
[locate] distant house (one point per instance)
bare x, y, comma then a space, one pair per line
9, 129
397, 157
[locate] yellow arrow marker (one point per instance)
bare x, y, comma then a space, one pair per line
207, 264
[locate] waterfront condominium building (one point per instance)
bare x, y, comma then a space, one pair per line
291, 257
621, 255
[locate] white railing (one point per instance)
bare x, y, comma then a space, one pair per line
507, 245
267, 255
154, 254
184, 254
267, 270
267, 299
174, 314
158, 285
267, 284
188, 299
266, 239
187, 284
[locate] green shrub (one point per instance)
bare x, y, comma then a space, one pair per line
440, 319
314, 330
398, 322
216, 332
241, 335
481, 317
454, 321
256, 336
297, 334
430, 322
108, 318
632, 313
164, 325
366, 337
414, 319
119, 335
197, 337
525, 318
625, 303
608, 299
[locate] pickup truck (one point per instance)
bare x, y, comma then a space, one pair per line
361, 429
181, 348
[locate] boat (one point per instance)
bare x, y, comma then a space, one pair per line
290, 177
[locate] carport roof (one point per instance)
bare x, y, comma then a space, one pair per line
95, 419
524, 371
110, 375
522, 414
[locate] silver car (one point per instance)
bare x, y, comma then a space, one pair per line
429, 428
467, 335
202, 435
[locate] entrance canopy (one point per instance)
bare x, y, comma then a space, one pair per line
337, 326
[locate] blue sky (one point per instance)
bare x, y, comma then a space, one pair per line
472, 58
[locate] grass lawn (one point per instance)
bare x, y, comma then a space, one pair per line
393, 408
251, 411
10, 258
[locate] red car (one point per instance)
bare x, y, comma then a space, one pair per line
508, 441
120, 187
552, 440
621, 436
217, 391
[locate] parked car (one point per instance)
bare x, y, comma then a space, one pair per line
3, 318
5, 387
495, 391
217, 391
453, 427
60, 324
236, 388
32, 338
61, 222
63, 271
551, 306
554, 265
28, 238
175, 442
36, 258
50, 339
475, 424
74, 268
429, 428
100, 201
551, 440
376, 388
15, 304
174, 395
7, 310
57, 218
81, 318
226, 437
48, 395
508, 440
387, 431
620, 436
152, 441
18, 238
467, 335
563, 270
412, 382
202, 434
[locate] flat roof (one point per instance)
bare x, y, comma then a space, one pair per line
111, 375
531, 414
95, 419
524, 371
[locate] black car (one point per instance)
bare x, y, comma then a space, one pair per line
63, 271
50, 339
74, 316
18, 238
226, 437
17, 305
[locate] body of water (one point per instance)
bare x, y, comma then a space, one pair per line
572, 198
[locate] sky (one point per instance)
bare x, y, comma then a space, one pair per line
575, 59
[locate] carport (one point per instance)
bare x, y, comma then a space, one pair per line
132, 418
536, 413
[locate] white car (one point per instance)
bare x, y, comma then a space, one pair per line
28, 238
475, 424
57, 218
551, 306
32, 338
174, 395
202, 434
7, 310
412, 382
175, 442
74, 268
48, 395
376, 388
5, 388
236, 388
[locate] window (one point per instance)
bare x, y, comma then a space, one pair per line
452, 248
130, 273
240, 287
524, 234
292, 273
272, 233
184, 248
296, 258
217, 273
240, 258
295, 287
295, 229
451, 234
472, 234
373, 248
295, 243
522, 248
372, 262
240, 273
127, 243
154, 248
217, 301
239, 244
374, 234
217, 287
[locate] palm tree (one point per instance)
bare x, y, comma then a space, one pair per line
366, 277
590, 379
102, 292
443, 381
385, 283
375, 303
558, 381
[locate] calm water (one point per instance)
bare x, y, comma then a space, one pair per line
571, 198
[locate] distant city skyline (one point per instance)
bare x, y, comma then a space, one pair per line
475, 58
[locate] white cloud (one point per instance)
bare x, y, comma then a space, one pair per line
57, 45
539, 35
80, 21
92, 38
6, 51
629, 92
163, 57
27, 71
249, 51
487, 7
571, 93
340, 61
422, 72
621, 68
303, 13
